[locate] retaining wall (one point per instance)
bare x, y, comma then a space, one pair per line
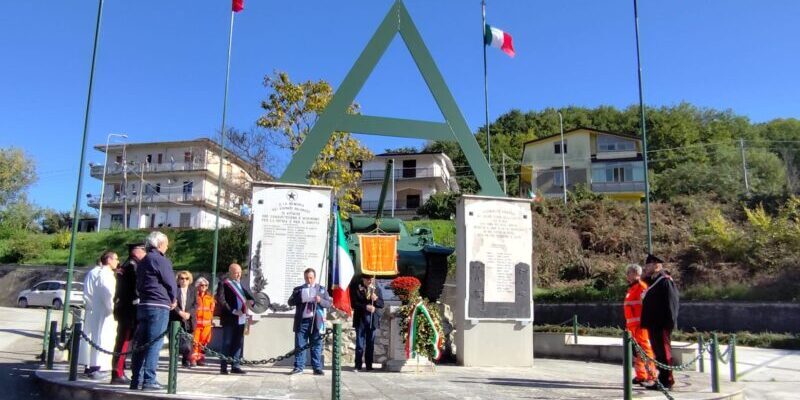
706, 316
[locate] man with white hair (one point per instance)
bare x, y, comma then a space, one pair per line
155, 282
645, 369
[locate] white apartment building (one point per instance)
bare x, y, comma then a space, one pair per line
416, 177
169, 184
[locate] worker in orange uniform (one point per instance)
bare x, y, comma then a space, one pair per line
205, 314
646, 372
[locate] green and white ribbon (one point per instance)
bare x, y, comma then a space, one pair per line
413, 332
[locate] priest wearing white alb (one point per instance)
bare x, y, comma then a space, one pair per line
98, 322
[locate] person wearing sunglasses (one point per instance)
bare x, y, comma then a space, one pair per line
185, 313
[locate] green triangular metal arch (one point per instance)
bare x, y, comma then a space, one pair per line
335, 117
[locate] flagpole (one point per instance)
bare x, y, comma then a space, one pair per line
76, 209
486, 87
221, 159
644, 133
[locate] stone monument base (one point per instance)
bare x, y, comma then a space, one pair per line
269, 337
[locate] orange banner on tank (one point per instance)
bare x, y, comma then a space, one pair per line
378, 254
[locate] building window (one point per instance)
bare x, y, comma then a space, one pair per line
116, 220
557, 148
187, 157
610, 143
558, 179
158, 188
119, 160
409, 168
186, 220
412, 201
160, 158
148, 159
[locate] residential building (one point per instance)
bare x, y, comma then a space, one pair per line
170, 184
607, 163
416, 177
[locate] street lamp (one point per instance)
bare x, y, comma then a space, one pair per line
103, 185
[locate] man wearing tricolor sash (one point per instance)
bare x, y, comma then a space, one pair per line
310, 301
234, 302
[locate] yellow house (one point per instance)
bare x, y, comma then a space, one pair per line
605, 162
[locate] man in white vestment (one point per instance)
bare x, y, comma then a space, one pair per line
98, 321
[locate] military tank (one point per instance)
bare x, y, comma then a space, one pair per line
418, 254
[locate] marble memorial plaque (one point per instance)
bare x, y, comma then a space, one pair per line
498, 258
290, 234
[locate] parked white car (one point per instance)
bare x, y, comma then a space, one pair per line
50, 294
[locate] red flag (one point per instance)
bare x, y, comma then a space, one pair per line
238, 5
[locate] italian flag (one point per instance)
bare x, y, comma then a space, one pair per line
496, 38
342, 270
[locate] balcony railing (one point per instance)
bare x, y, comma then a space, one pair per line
176, 198
611, 187
369, 206
401, 173
115, 168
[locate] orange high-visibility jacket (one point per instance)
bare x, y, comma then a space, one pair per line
205, 309
633, 304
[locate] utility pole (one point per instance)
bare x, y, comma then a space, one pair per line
141, 194
563, 160
503, 157
124, 188
744, 167
394, 193
643, 127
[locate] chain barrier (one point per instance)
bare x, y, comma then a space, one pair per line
726, 353
231, 360
67, 342
660, 365
136, 349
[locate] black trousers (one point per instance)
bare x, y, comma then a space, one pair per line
662, 348
232, 343
365, 346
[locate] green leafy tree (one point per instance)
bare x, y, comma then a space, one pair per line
402, 150
17, 172
290, 111
440, 205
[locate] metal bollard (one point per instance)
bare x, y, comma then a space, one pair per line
77, 328
575, 329
732, 357
701, 345
336, 367
714, 363
51, 344
172, 380
46, 335
627, 365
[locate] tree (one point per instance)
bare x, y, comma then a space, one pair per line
253, 147
441, 205
402, 150
290, 111
17, 172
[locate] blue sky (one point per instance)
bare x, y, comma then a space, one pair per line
161, 64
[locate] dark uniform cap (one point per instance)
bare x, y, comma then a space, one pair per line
651, 259
132, 246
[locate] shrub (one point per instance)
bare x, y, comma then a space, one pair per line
23, 247
61, 240
441, 205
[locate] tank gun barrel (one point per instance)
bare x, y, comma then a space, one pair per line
386, 176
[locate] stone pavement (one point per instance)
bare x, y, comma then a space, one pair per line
548, 379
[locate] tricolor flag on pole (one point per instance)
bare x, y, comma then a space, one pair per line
342, 269
496, 38
238, 5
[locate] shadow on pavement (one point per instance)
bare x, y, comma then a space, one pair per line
17, 380
538, 383
24, 332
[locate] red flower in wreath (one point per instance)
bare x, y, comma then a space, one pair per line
405, 285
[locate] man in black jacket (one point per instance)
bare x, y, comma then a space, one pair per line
660, 315
367, 303
125, 299
233, 302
